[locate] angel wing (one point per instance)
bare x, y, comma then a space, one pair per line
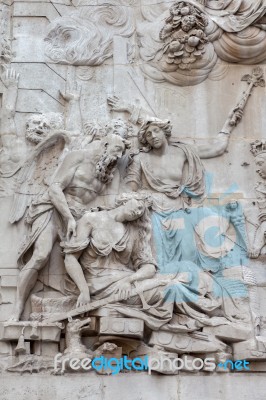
37, 172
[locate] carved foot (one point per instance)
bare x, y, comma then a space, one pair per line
15, 316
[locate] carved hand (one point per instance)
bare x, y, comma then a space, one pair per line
235, 117
10, 78
83, 299
71, 94
123, 288
117, 104
71, 228
254, 253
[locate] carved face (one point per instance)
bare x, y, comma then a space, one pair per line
233, 204
115, 147
37, 128
155, 136
119, 127
133, 210
260, 162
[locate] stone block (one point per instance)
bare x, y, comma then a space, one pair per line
253, 349
49, 349
186, 343
47, 333
131, 327
5, 311
92, 329
229, 333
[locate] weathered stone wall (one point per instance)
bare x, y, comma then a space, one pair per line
69, 57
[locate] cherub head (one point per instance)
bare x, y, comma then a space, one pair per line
232, 205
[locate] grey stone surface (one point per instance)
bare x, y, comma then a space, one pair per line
135, 387
133, 189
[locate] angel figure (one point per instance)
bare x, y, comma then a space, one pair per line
54, 197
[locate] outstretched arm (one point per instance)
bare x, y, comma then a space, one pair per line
217, 146
73, 113
124, 286
10, 79
137, 114
73, 267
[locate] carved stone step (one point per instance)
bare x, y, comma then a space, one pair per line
122, 326
31, 331
187, 343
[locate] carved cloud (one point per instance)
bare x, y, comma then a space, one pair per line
85, 37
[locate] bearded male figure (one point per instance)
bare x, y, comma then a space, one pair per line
82, 175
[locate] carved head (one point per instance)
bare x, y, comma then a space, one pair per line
258, 149
133, 209
39, 126
118, 126
154, 132
134, 205
260, 162
232, 205
114, 148
77, 325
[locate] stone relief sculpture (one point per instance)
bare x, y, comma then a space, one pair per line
81, 176
179, 49
258, 149
161, 271
10, 151
86, 36
132, 243
151, 165
114, 267
183, 47
233, 15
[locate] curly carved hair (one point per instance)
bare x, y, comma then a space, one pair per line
165, 125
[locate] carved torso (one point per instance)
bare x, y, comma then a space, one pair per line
100, 234
84, 186
167, 167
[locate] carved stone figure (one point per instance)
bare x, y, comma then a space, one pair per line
258, 149
11, 150
74, 346
117, 236
79, 179
92, 240
159, 167
98, 260
40, 126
